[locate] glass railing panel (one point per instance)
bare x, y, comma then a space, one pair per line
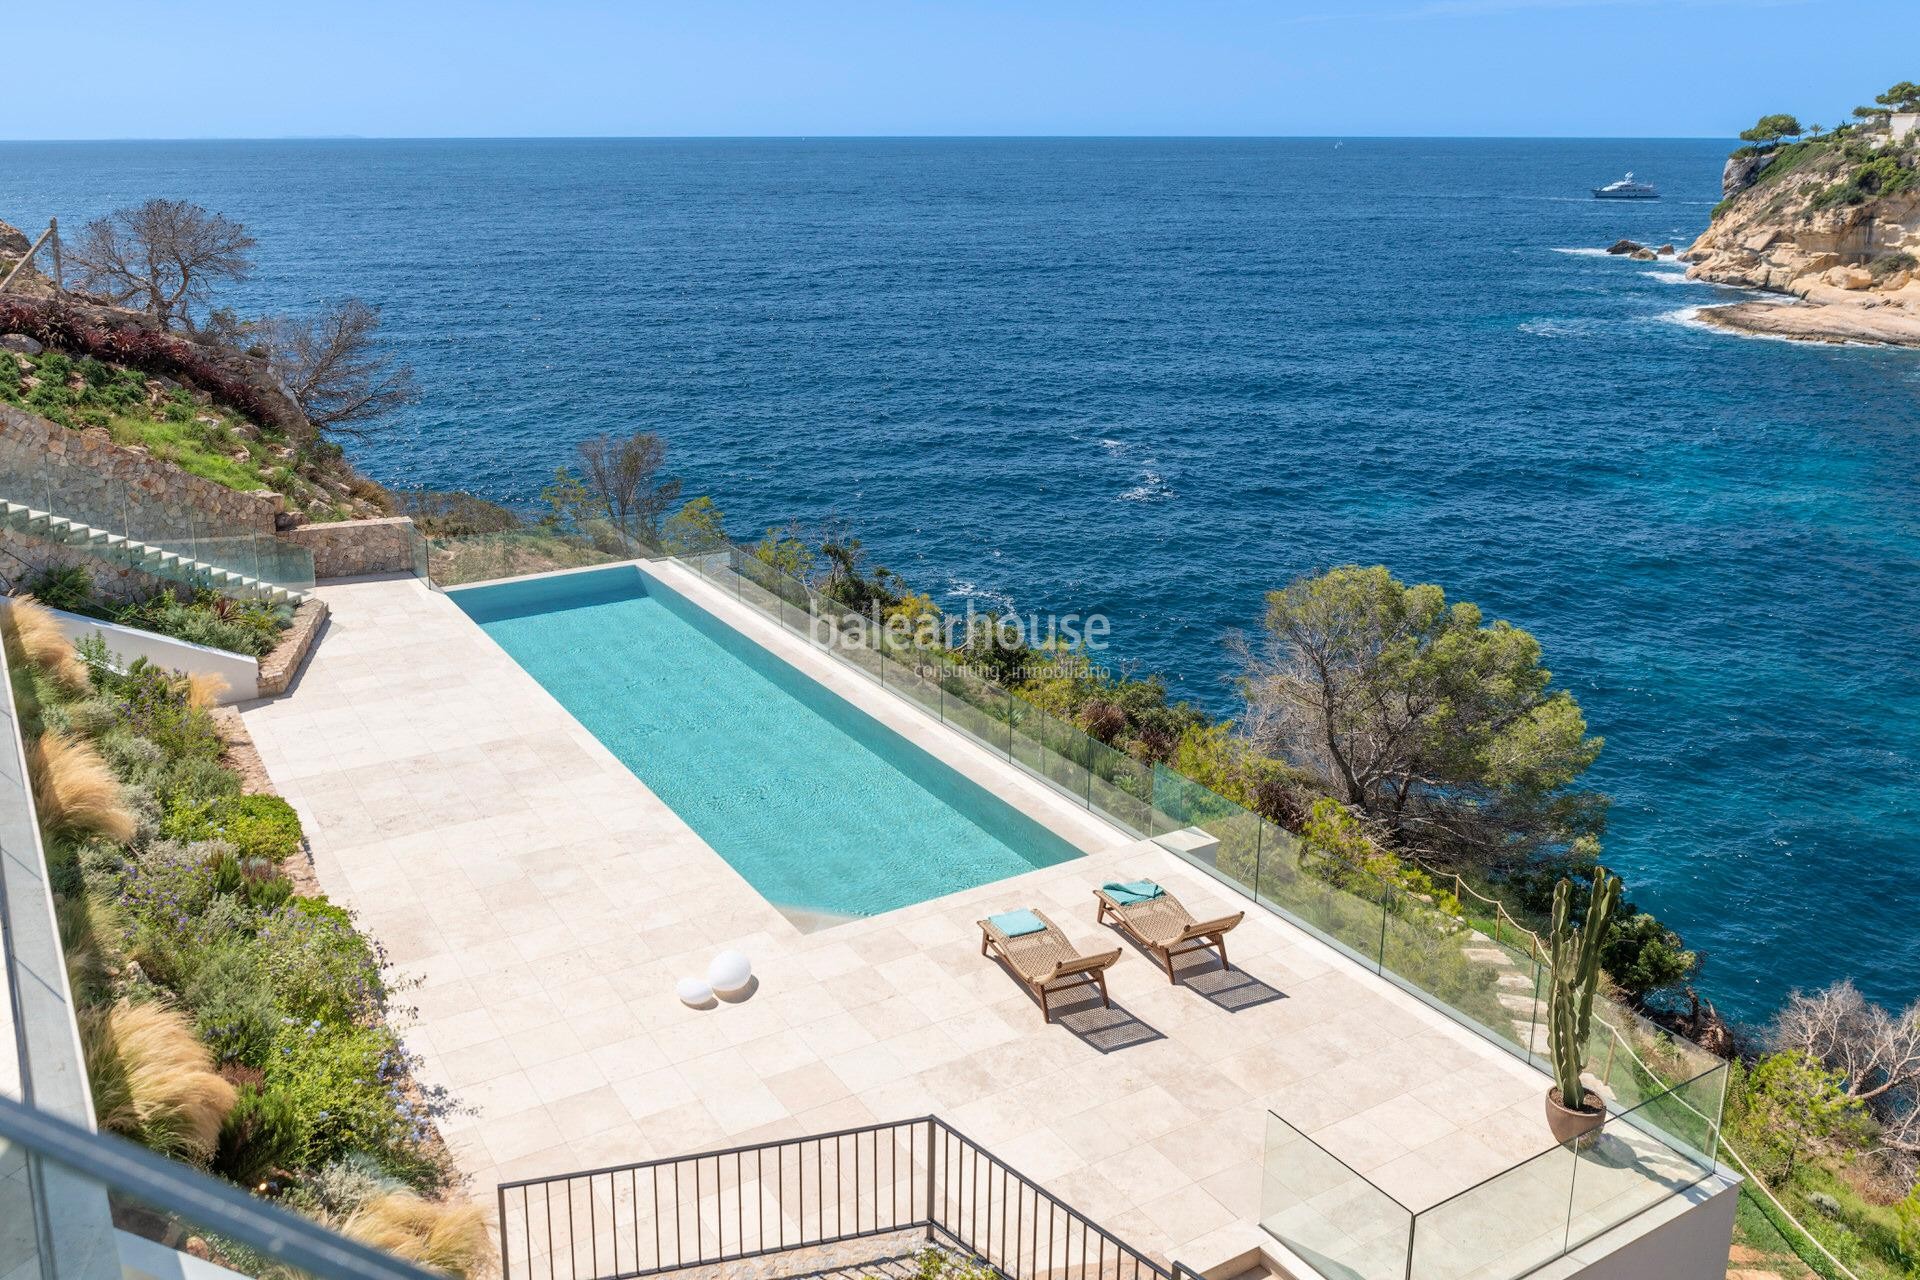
1638, 1060
1180, 803
1505, 1227
977, 707
1121, 787
906, 675
1061, 753
1625, 1169
107, 1209
1327, 1215
1426, 949
1340, 902
485, 556
853, 640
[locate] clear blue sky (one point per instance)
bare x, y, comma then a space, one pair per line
424, 68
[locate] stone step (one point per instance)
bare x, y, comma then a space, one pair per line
156, 560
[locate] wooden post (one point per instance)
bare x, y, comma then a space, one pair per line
53, 231
27, 257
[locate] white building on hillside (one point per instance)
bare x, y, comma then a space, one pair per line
1902, 123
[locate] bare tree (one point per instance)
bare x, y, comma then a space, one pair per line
1878, 1053
331, 364
620, 472
163, 257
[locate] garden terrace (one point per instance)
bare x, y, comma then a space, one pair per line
1367, 1060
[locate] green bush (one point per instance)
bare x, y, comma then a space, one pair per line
263, 1133
210, 619
233, 1006
319, 965
69, 588
341, 1081
258, 826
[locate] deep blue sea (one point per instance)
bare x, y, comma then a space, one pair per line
1156, 379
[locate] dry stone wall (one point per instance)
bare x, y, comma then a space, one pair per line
85, 475
350, 548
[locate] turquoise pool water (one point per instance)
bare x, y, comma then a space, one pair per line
820, 807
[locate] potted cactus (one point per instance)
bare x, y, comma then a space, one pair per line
1573, 1110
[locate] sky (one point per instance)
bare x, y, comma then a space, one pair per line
574, 68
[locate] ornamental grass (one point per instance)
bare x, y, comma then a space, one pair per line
75, 789
449, 1236
34, 635
153, 1081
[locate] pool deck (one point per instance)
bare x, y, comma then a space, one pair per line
544, 903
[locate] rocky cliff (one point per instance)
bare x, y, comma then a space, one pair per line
1834, 222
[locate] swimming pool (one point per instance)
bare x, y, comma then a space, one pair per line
821, 808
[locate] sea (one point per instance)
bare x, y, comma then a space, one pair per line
1156, 379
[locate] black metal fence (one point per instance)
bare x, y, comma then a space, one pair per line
917, 1180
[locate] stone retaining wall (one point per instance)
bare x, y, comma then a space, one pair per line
24, 558
84, 475
350, 548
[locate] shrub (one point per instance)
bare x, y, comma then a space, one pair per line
343, 1185
343, 1083
319, 965
252, 880
75, 789
69, 587
452, 514
189, 789
1103, 720
158, 705
208, 619
257, 826
262, 1135
1888, 263
153, 1081
58, 325
446, 1235
33, 635
232, 1001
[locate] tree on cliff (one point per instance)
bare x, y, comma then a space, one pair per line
1904, 96
620, 475
163, 257
1771, 129
1413, 711
332, 365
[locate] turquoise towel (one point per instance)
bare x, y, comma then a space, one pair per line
1132, 891
1017, 923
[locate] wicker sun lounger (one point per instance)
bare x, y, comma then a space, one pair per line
1047, 962
1166, 928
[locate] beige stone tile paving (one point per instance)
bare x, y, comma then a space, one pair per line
544, 903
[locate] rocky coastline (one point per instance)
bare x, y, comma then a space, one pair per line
1791, 224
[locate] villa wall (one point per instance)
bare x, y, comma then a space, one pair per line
353, 548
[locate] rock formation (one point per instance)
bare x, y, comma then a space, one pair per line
1834, 222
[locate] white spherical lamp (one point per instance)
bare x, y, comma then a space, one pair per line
729, 972
694, 992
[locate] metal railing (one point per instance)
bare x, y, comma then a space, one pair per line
170, 1202
915, 1181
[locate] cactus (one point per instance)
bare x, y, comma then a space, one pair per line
1575, 958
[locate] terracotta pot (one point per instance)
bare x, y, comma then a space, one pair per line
1569, 1124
